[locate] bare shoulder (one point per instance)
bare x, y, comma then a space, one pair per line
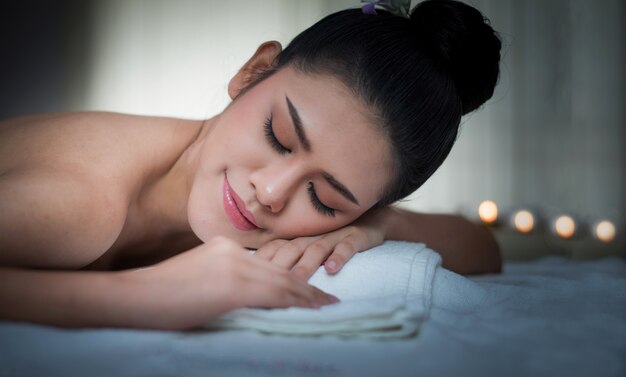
110, 148
80, 140
66, 181
55, 219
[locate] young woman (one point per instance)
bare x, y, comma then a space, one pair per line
356, 113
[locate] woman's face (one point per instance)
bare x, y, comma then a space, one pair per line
296, 155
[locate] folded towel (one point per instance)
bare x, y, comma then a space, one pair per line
385, 292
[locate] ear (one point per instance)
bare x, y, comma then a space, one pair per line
262, 60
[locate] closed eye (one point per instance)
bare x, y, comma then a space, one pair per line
317, 203
271, 138
281, 149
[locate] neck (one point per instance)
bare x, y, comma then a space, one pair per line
164, 197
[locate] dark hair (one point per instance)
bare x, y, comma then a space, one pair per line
418, 75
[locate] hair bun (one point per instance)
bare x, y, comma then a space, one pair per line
460, 38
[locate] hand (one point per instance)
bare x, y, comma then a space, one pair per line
214, 278
304, 255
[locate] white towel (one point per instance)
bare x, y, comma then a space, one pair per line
385, 292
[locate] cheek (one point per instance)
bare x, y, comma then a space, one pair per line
230, 148
199, 210
305, 222
242, 144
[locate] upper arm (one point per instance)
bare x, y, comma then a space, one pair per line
52, 219
465, 247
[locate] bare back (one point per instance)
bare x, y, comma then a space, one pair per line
71, 188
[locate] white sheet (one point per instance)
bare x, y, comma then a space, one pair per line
385, 292
552, 317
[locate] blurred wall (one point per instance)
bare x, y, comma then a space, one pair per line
45, 50
552, 137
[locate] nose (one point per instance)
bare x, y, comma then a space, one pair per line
275, 183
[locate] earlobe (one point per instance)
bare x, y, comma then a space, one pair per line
262, 60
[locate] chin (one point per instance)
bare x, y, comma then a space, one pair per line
198, 230
200, 225
205, 232
251, 241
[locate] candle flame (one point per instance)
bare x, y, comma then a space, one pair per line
565, 226
524, 221
605, 231
488, 212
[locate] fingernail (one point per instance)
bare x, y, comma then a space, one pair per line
333, 299
331, 265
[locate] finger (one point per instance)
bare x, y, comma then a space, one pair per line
289, 253
270, 288
263, 273
261, 283
266, 272
268, 250
271, 297
342, 253
320, 297
313, 257
262, 264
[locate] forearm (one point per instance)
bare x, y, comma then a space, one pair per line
465, 247
70, 298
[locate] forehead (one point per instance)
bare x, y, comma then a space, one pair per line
345, 139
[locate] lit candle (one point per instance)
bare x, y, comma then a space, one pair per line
524, 221
605, 231
565, 226
488, 212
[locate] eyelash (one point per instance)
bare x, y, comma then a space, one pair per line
271, 138
317, 203
278, 147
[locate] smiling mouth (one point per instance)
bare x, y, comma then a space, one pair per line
236, 210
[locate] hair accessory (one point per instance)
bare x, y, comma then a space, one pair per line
395, 7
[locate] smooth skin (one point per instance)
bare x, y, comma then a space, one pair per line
117, 220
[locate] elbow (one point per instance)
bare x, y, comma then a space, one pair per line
486, 255
495, 265
490, 254
499, 258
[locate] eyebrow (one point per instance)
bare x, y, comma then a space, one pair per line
343, 190
297, 125
306, 145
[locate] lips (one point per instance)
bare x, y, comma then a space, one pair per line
236, 210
